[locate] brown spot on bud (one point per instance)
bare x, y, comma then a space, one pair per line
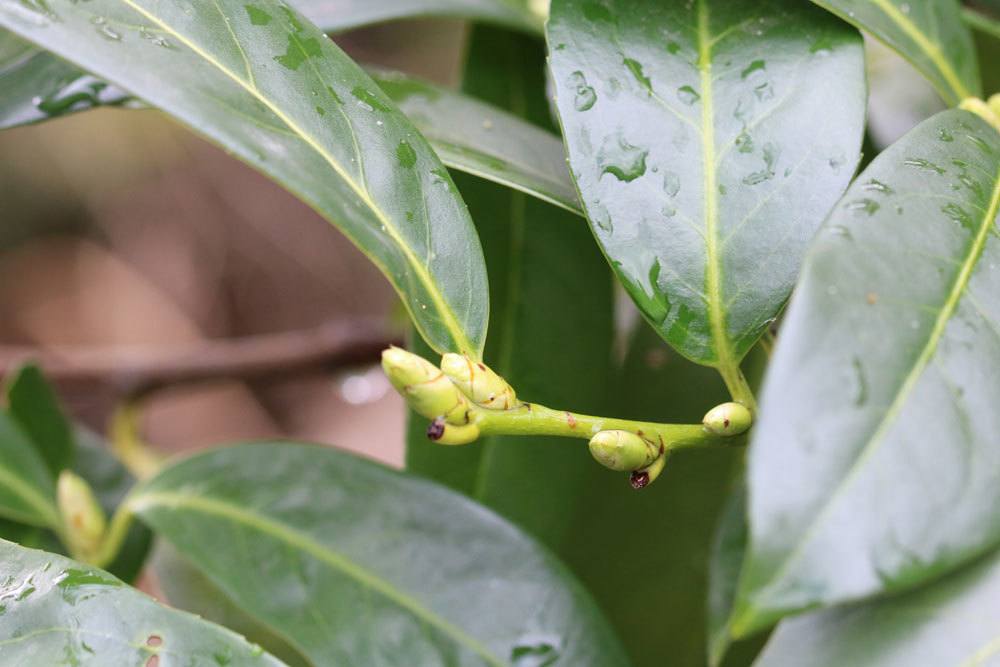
638, 479
571, 420
725, 423
872, 298
436, 429
154, 640
481, 366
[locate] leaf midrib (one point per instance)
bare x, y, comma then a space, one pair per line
908, 384
303, 542
448, 317
713, 277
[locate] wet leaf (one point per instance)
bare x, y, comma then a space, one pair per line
32, 403
352, 562
949, 622
56, 611
873, 466
486, 141
268, 86
541, 260
705, 153
929, 33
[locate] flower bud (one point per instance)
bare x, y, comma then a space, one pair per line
622, 450
640, 479
83, 517
478, 382
444, 433
424, 386
728, 419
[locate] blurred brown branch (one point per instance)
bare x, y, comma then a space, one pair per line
138, 369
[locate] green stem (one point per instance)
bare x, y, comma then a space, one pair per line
983, 24
128, 445
737, 385
534, 419
115, 537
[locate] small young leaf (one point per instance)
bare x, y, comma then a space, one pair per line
305, 539
27, 486
56, 611
274, 90
33, 404
705, 151
929, 33
873, 465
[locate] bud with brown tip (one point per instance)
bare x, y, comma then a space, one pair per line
728, 419
622, 450
640, 479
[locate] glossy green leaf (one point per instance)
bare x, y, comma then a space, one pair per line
185, 587
541, 261
268, 86
335, 15
56, 611
950, 622
930, 34
873, 465
705, 152
34, 406
354, 563
27, 487
644, 555
482, 139
467, 135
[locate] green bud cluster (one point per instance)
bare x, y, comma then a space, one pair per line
478, 382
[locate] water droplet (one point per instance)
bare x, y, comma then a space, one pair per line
744, 143
154, 37
755, 66
671, 183
945, 135
320, 110
669, 210
822, 46
535, 651
861, 393
688, 95
770, 155
585, 96
405, 154
368, 100
957, 214
764, 91
257, 15
673, 48
921, 163
621, 159
104, 30
866, 206
837, 161
635, 67
875, 185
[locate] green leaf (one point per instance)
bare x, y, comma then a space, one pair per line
33, 404
111, 482
541, 261
27, 487
185, 587
950, 622
483, 140
705, 152
724, 570
335, 15
873, 465
57, 611
930, 34
354, 563
272, 89
644, 555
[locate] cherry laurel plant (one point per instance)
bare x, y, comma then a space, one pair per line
801, 429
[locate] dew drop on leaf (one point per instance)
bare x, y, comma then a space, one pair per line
688, 95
